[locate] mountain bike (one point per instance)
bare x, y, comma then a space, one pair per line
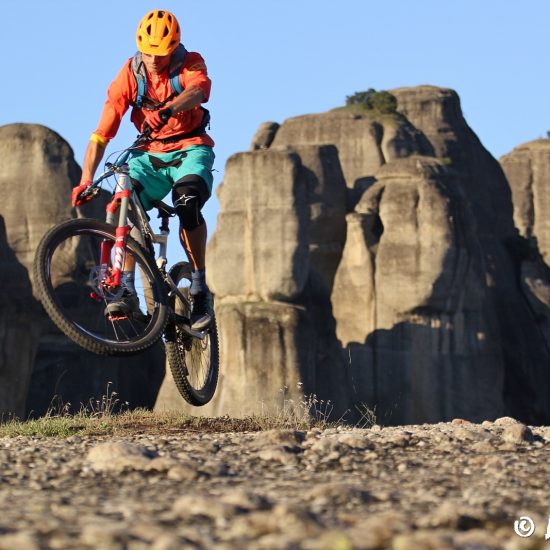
78, 269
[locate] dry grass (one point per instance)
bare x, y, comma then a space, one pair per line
104, 417
143, 421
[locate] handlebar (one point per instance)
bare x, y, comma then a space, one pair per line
145, 136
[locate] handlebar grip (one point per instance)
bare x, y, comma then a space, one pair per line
165, 114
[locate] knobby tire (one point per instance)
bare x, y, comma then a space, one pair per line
64, 316
194, 363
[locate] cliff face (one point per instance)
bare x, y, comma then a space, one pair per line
32, 158
527, 168
37, 363
369, 260
360, 260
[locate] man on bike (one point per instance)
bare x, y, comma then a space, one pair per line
179, 156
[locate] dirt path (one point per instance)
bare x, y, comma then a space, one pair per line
454, 485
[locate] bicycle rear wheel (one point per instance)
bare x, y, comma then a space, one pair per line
72, 290
194, 363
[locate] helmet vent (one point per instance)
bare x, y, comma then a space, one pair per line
158, 33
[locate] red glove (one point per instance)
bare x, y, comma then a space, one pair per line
157, 119
153, 120
77, 201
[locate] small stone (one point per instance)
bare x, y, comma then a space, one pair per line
506, 421
161, 464
207, 506
214, 468
281, 438
356, 441
337, 493
516, 433
118, 455
325, 446
421, 541
482, 447
182, 472
102, 533
167, 542
19, 541
399, 439
276, 454
246, 500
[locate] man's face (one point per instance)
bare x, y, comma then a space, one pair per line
155, 64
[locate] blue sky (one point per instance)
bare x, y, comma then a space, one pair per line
275, 60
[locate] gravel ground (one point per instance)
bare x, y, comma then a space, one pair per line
449, 485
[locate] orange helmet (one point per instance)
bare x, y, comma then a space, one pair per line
158, 33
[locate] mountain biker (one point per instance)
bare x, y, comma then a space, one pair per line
179, 157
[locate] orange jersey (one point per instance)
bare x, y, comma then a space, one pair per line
123, 91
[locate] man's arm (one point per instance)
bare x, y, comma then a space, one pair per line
92, 158
189, 98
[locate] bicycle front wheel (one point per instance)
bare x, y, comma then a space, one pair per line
194, 362
73, 292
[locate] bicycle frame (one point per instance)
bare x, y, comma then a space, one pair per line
124, 198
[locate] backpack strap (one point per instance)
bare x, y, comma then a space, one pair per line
141, 79
174, 72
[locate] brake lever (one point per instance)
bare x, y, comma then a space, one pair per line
90, 191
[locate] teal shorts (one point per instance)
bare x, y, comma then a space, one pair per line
158, 178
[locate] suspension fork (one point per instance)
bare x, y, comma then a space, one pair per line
119, 202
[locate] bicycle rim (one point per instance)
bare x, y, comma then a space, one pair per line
70, 281
194, 363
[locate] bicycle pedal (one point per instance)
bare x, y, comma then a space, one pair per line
200, 334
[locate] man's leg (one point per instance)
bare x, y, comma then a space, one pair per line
157, 185
194, 244
189, 195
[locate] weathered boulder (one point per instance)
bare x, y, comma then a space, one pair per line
33, 160
527, 168
364, 140
19, 330
263, 138
282, 225
410, 291
437, 114
417, 312
283, 211
37, 173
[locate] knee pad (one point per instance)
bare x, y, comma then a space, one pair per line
188, 208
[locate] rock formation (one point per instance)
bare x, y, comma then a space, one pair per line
528, 168
361, 260
36, 175
368, 259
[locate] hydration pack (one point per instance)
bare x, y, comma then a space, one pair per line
143, 101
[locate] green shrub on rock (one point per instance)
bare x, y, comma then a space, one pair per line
371, 100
